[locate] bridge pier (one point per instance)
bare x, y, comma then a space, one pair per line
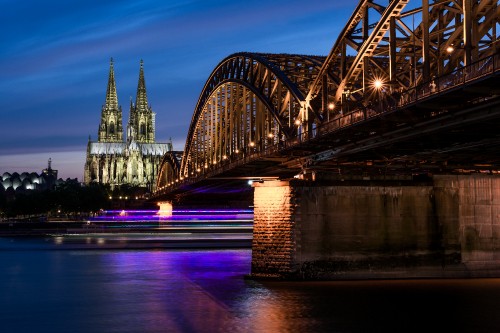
448, 226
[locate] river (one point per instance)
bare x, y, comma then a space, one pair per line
47, 286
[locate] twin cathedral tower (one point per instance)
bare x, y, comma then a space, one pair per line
135, 160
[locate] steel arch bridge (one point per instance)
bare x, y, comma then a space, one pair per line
389, 54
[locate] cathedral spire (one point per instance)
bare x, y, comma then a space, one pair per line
142, 119
110, 127
141, 100
111, 96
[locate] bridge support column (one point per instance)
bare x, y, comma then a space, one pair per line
447, 227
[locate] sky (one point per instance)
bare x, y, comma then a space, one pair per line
55, 55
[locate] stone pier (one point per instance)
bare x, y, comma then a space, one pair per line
446, 227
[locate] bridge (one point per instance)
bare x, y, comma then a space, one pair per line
394, 95
407, 98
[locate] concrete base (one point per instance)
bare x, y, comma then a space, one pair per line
449, 227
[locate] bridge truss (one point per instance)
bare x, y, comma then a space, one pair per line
389, 55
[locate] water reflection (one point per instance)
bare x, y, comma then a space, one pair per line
205, 291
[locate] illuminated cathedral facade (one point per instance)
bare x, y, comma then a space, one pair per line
134, 160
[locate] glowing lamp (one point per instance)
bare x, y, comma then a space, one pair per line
297, 122
450, 49
270, 135
252, 144
331, 106
377, 84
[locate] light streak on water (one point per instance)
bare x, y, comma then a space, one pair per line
126, 229
204, 218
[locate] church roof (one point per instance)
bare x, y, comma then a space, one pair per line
119, 148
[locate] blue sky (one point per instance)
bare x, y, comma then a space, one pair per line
54, 63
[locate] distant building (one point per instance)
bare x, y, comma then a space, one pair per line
21, 182
116, 161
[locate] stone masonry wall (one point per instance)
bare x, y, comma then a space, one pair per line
273, 242
475, 218
450, 228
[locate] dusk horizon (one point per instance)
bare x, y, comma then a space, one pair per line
55, 65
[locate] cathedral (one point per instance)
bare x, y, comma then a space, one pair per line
135, 160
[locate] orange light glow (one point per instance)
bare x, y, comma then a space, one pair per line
165, 208
378, 84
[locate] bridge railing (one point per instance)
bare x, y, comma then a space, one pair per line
459, 77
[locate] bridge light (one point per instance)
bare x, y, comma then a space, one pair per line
270, 135
206, 166
237, 151
198, 170
331, 106
252, 144
297, 122
224, 157
378, 84
250, 182
450, 49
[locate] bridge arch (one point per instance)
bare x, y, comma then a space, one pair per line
168, 170
253, 101
250, 103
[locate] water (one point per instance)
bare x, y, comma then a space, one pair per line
57, 289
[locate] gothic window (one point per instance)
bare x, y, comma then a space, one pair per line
112, 128
142, 130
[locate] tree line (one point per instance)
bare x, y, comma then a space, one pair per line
69, 199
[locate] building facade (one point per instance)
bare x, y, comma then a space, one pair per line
133, 160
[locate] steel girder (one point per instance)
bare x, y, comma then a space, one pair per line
402, 49
168, 170
250, 102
